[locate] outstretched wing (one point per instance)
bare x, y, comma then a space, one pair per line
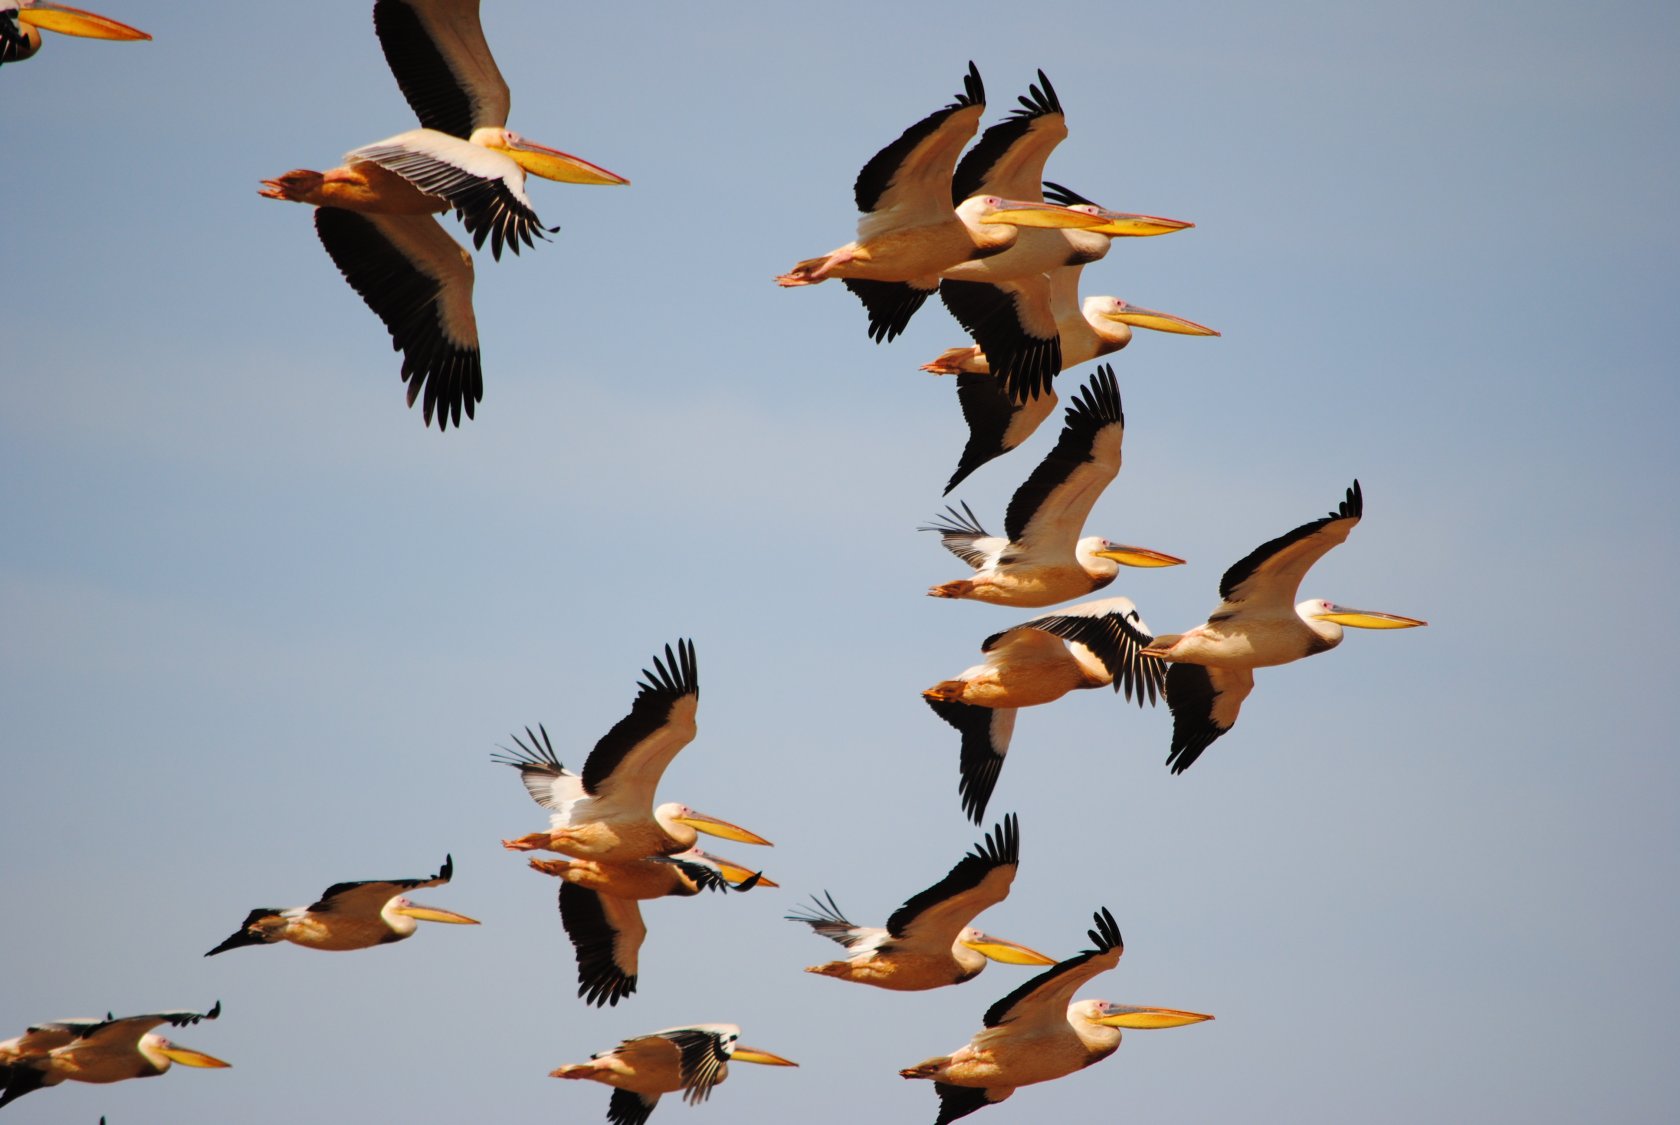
1204, 703
962, 535
607, 932
908, 183
1013, 324
1008, 159
932, 919
985, 740
1110, 630
368, 897
996, 422
1271, 573
1044, 999
437, 53
627, 763
1049, 510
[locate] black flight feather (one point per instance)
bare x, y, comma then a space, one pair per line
876, 176
1190, 696
1243, 569
432, 89
977, 163
1096, 406
1104, 937
661, 689
1000, 848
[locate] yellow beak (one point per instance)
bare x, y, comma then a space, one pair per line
1008, 952
552, 164
712, 826
73, 21
1150, 1019
1160, 321
188, 1057
754, 1055
1122, 224
1369, 619
1139, 556
432, 914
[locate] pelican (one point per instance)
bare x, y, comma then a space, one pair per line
93, 1050
1089, 645
910, 231
1257, 625
374, 211
607, 812
927, 943
690, 1059
599, 913
21, 23
1038, 1033
348, 916
1097, 327
1041, 560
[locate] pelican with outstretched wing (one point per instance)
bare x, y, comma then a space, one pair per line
374, 212
348, 916
928, 942
1039, 1032
101, 1051
687, 1059
1258, 624
1042, 559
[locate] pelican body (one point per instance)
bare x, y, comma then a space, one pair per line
1038, 1033
373, 212
99, 1051
606, 813
22, 21
1257, 626
1043, 560
927, 943
688, 1059
348, 916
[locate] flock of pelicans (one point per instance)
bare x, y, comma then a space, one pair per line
1005, 256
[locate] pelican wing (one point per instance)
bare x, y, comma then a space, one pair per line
368, 897
626, 764
824, 916
1049, 510
960, 1101
419, 282
932, 919
890, 304
1271, 573
125, 1031
908, 183
702, 1063
626, 1107
17, 41
962, 535
1204, 703
1012, 323
996, 422
1110, 630
1044, 999
436, 51
985, 740
550, 784
1008, 159
486, 187
607, 932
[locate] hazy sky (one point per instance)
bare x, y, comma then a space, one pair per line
261, 630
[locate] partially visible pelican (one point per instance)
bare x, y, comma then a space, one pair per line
910, 231
347, 916
1090, 645
928, 942
599, 912
1097, 327
607, 812
21, 23
374, 210
90, 1050
1041, 559
1038, 1033
1257, 625
690, 1059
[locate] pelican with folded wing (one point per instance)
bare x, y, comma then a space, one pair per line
688, 1059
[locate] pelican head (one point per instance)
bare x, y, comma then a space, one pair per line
1133, 1017
549, 163
672, 815
70, 21
1335, 616
997, 949
1122, 312
992, 210
1102, 558
729, 1041
160, 1052
401, 915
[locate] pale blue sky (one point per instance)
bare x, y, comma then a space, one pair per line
261, 630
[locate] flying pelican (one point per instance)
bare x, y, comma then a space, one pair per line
1097, 327
1041, 560
1088, 645
690, 1059
1037, 1033
21, 23
89, 1050
607, 812
374, 211
599, 912
1257, 625
347, 916
910, 232
927, 943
